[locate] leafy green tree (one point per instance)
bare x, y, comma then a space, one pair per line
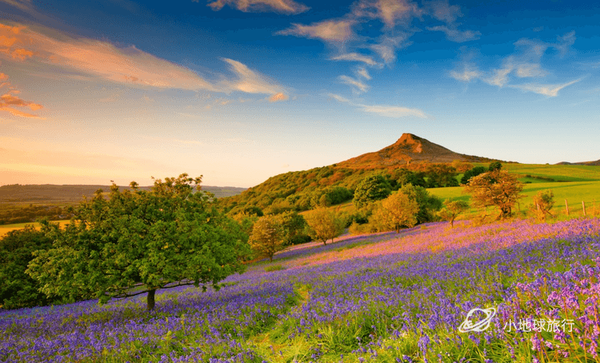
267, 236
495, 188
17, 289
495, 165
397, 211
428, 204
452, 209
371, 189
293, 225
471, 173
404, 176
441, 175
323, 224
148, 240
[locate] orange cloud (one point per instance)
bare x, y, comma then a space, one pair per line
10, 40
97, 59
8, 101
278, 97
249, 81
328, 30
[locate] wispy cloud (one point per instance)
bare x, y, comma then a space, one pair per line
388, 45
526, 62
338, 98
8, 101
278, 97
550, 90
467, 74
393, 111
363, 73
278, 6
387, 11
249, 81
351, 33
24, 5
382, 110
355, 57
328, 30
356, 85
455, 35
443, 11
95, 59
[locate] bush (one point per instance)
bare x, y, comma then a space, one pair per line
17, 289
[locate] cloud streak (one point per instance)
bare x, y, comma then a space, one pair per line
327, 31
382, 110
9, 101
550, 90
278, 6
356, 85
95, 59
355, 57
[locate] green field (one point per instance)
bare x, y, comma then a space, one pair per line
4, 229
573, 192
559, 173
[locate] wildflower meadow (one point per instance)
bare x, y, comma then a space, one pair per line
514, 291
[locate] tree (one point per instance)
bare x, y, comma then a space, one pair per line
495, 165
293, 225
471, 173
452, 209
543, 201
17, 289
397, 211
404, 176
323, 224
428, 204
441, 175
267, 236
495, 188
167, 237
370, 189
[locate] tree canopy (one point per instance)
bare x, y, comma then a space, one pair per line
495, 188
170, 236
371, 189
267, 236
323, 224
397, 211
17, 289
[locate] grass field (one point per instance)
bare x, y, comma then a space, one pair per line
4, 229
573, 192
557, 172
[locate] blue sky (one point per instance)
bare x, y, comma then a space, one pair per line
241, 90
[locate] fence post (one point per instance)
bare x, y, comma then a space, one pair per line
567, 206
583, 205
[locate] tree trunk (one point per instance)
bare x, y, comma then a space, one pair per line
150, 300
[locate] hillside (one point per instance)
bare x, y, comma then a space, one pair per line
408, 149
302, 190
591, 163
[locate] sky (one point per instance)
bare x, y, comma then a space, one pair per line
241, 90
